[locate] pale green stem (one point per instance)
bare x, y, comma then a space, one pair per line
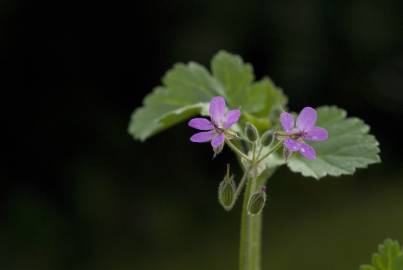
254, 151
240, 187
251, 225
236, 150
250, 245
277, 146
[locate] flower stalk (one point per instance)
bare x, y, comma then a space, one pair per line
251, 225
237, 150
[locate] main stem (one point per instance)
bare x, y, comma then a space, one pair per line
251, 226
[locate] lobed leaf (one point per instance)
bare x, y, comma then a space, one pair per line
388, 257
258, 100
187, 90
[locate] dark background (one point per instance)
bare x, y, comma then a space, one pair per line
78, 193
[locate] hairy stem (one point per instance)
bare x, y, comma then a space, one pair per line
277, 146
250, 246
236, 150
240, 186
251, 226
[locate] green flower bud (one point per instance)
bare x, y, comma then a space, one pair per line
267, 138
251, 132
256, 202
226, 191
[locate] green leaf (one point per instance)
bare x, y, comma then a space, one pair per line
234, 74
264, 98
187, 90
349, 146
367, 267
258, 100
388, 257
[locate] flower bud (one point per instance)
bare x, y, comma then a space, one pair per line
256, 202
251, 132
226, 191
267, 138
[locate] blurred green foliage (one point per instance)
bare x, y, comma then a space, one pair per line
388, 257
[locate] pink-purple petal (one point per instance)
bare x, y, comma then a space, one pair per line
217, 109
218, 140
231, 118
306, 119
292, 145
307, 151
287, 121
316, 134
200, 124
202, 137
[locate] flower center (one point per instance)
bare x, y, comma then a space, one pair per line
217, 129
297, 135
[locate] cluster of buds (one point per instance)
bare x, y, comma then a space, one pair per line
227, 195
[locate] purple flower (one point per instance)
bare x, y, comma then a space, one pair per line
303, 129
214, 130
